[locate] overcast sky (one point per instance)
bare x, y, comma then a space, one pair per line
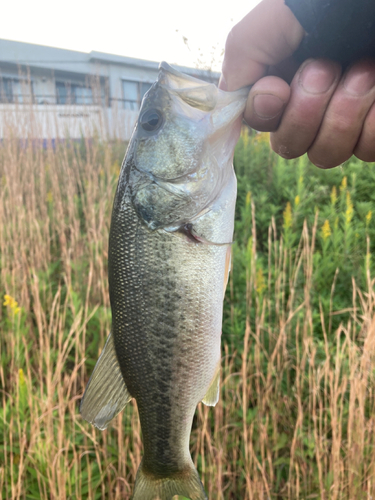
145, 29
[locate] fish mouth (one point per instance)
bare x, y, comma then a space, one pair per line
183, 78
196, 93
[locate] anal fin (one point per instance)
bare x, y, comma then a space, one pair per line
212, 395
106, 393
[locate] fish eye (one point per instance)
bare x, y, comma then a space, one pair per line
151, 120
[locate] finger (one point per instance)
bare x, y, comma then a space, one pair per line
266, 102
311, 90
365, 147
285, 70
267, 35
345, 116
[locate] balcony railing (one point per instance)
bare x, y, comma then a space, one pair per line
52, 99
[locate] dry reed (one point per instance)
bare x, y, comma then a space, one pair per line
296, 416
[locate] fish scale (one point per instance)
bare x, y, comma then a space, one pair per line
168, 263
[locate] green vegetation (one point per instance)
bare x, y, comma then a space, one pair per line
296, 418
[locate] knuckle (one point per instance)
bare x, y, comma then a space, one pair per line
338, 123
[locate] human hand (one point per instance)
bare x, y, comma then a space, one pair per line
314, 108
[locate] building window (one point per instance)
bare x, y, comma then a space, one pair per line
133, 93
83, 95
73, 93
14, 90
62, 93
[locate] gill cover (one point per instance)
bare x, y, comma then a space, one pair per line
182, 148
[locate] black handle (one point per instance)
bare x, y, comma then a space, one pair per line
343, 30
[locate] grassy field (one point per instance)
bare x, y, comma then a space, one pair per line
296, 417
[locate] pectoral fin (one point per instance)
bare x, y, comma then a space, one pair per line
212, 395
227, 268
106, 393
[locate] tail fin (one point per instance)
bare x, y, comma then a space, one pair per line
187, 484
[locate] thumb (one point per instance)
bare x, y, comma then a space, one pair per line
266, 36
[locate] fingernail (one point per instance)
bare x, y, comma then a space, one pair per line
317, 76
359, 81
267, 106
223, 83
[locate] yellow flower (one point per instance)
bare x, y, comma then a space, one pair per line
258, 139
21, 377
368, 217
263, 137
334, 195
344, 184
260, 281
349, 208
326, 230
10, 302
296, 200
49, 197
248, 198
7, 300
287, 216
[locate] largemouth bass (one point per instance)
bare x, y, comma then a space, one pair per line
169, 258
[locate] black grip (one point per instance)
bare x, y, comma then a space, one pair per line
342, 30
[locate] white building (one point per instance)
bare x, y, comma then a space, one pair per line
49, 93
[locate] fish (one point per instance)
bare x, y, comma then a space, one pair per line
168, 263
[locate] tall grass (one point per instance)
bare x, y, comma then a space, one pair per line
296, 417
